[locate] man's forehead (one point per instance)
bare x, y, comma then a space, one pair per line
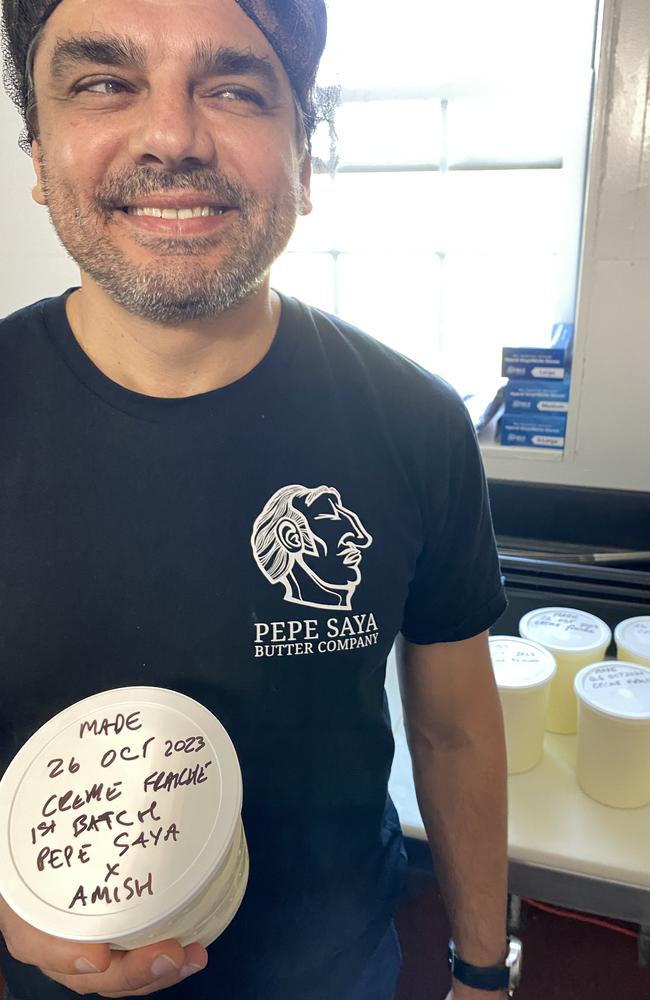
252, 10
197, 24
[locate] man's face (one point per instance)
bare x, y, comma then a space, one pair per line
339, 536
150, 106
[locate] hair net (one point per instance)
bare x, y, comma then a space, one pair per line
296, 29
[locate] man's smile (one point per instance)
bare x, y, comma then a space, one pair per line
200, 211
201, 220
183, 213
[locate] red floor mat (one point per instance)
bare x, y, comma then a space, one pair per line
563, 960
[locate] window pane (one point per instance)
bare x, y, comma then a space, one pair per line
491, 301
448, 265
387, 212
497, 130
307, 276
388, 132
512, 210
395, 299
376, 43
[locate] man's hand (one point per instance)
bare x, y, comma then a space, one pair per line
94, 968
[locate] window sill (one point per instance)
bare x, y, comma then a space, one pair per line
498, 452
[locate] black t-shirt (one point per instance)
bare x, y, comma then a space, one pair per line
257, 548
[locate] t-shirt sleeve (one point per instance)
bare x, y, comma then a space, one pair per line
457, 590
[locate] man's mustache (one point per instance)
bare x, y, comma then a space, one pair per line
119, 190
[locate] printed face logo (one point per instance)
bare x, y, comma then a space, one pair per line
308, 541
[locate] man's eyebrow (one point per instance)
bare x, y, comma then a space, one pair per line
107, 50
222, 60
123, 52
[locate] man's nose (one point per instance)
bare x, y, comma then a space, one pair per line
171, 131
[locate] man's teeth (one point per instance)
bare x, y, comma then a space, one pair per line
176, 213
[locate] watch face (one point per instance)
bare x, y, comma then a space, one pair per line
513, 962
496, 977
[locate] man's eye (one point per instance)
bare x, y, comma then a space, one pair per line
239, 94
102, 87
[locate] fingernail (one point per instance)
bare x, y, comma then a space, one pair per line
190, 969
83, 965
163, 965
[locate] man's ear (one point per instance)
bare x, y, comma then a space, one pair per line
37, 191
305, 184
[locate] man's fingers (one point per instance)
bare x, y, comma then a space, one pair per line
36, 948
139, 972
33, 947
195, 960
93, 968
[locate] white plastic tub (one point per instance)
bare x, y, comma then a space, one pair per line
632, 638
575, 638
613, 763
120, 822
523, 671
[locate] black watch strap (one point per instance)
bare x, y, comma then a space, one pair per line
488, 977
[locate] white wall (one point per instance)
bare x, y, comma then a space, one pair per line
609, 423
32, 262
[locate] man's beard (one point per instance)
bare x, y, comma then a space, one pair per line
177, 285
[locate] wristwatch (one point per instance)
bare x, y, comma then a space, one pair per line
489, 977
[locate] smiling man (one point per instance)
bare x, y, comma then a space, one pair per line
167, 248
155, 422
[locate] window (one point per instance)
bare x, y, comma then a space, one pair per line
452, 224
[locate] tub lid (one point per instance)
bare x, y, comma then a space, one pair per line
634, 635
565, 629
520, 663
616, 688
116, 813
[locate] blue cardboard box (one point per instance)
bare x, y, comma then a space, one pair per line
537, 396
535, 362
535, 430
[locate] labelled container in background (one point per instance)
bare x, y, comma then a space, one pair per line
576, 639
613, 762
632, 638
120, 822
523, 671
534, 430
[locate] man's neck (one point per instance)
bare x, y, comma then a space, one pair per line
172, 361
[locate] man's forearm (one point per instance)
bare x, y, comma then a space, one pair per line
461, 792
